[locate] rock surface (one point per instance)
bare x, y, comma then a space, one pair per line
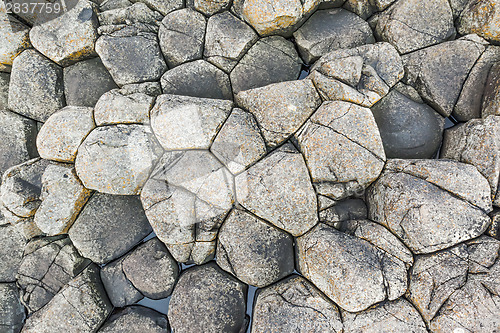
135, 319
120, 290
11, 251
11, 310
119, 106
14, 39
481, 18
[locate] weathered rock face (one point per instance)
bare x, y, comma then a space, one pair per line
120, 290
186, 200
48, 264
294, 305
209, 7
481, 18
336, 213
135, 319
14, 39
431, 204
81, 306
117, 159
330, 30
363, 8
207, 299
343, 149
11, 310
491, 99
118, 106
4, 90
128, 17
109, 226
11, 251
278, 189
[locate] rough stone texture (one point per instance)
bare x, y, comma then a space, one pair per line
151, 269
206, 299
209, 7
280, 108
336, 213
80, 80
148, 88
391, 317
4, 89
294, 305
164, 7
343, 149
254, 251
481, 18
365, 8
48, 264
278, 189
491, 97
81, 306
409, 128
411, 25
227, 40
434, 72
239, 142
181, 36
11, 252
14, 39
330, 30
135, 319
182, 122
269, 60
351, 271
135, 17
197, 79
64, 131
362, 75
70, 37
109, 226
117, 159
431, 204
477, 142
118, 106
11, 310
120, 290
186, 200
62, 199
36, 86
18, 139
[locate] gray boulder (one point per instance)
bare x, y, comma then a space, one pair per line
109, 226
481, 18
120, 290
11, 310
363, 8
338, 213
163, 7
209, 7
11, 251
4, 90
120, 106
133, 17
135, 319
14, 39
491, 97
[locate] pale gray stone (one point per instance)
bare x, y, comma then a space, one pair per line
11, 251
366, 8
209, 7
114, 4
163, 7
148, 88
481, 18
120, 290
4, 90
120, 107
135, 319
11, 310
491, 96
136, 13
14, 39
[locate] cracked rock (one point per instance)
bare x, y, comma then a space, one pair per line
343, 149
209, 7
109, 226
183, 122
11, 310
120, 290
207, 299
4, 90
365, 8
254, 251
135, 319
280, 108
119, 106
361, 75
11, 251
278, 189
117, 159
431, 204
294, 305
48, 264
186, 200
481, 18
130, 15
334, 213
330, 30
14, 39
491, 97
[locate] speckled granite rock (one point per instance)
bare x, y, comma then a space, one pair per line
11, 251
135, 319
481, 17
120, 106
120, 290
14, 39
11, 310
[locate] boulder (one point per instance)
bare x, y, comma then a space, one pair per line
120, 290
481, 18
120, 106
14, 39
11, 251
11, 310
135, 319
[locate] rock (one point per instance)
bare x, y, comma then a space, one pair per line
80, 79
182, 122
342, 148
239, 142
491, 96
14, 39
278, 189
209, 7
362, 75
366, 8
294, 305
120, 290
206, 299
186, 200
11, 252
197, 79
117, 159
433, 71
411, 25
109, 226
253, 251
11, 310
430, 204
4, 90
227, 40
134, 15
151, 269
149, 88
280, 108
330, 30
342, 211
81, 306
64, 131
135, 319
164, 7
181, 36
17, 144
390, 317
476, 143
70, 37
141, 62
108, 5
36, 86
48, 264
408, 128
481, 18
118, 106
269, 60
